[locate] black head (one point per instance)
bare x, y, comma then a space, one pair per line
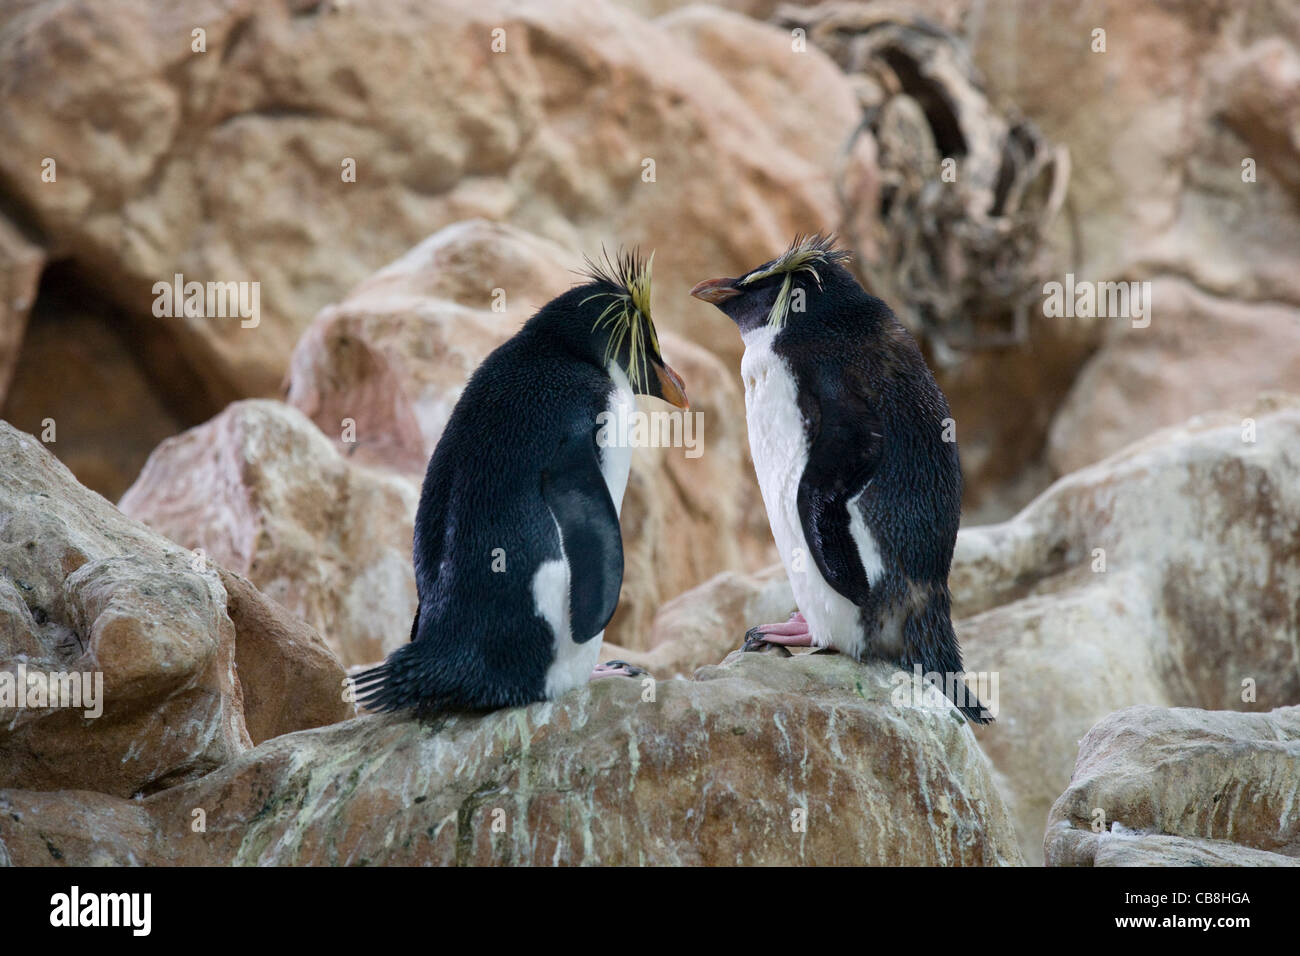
607, 321
778, 292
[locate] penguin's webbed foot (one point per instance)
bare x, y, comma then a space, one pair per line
616, 669
791, 633
755, 642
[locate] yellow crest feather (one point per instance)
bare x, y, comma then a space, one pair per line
805, 254
628, 313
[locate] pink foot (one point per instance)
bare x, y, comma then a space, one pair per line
615, 669
791, 633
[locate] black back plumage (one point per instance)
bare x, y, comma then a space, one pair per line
516, 471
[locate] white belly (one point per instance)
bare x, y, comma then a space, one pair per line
574, 662
616, 458
779, 447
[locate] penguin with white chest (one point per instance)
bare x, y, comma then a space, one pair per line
862, 491
518, 551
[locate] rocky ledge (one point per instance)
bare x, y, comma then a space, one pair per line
761, 759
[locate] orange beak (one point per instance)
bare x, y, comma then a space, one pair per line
671, 387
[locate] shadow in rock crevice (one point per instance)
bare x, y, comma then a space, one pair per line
106, 385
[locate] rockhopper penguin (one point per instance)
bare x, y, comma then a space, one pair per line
846, 428
518, 553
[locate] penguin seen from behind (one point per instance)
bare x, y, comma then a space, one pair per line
518, 551
863, 493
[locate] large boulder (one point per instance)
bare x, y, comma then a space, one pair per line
152, 633
386, 121
261, 491
761, 760
1167, 575
1182, 787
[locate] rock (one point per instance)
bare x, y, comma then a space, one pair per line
1122, 849
1167, 104
552, 134
1259, 96
21, 262
180, 659
1181, 98
262, 492
394, 355
1201, 352
777, 82
711, 771
1180, 787
1198, 604
709, 621
291, 680
86, 591
393, 358
84, 827
80, 381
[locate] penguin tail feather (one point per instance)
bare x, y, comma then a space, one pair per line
929, 640
399, 683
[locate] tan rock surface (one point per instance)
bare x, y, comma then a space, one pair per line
86, 590
1126, 849
1200, 593
193, 661
1200, 353
290, 679
81, 381
261, 491
21, 262
1177, 787
708, 622
1160, 125
227, 165
711, 771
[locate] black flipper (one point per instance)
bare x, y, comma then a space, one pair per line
843, 454
578, 497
